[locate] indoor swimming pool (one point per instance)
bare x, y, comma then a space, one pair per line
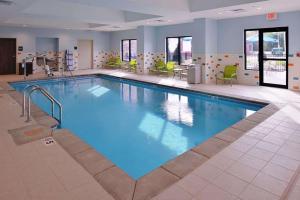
138, 126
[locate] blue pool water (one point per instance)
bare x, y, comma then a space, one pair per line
138, 126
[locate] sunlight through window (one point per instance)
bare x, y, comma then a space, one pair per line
98, 90
178, 110
249, 112
168, 133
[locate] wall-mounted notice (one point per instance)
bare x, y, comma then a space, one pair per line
272, 16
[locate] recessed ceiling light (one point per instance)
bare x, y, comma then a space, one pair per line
220, 13
257, 7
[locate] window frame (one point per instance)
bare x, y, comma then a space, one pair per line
179, 47
122, 48
245, 48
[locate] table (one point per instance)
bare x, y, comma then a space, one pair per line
177, 71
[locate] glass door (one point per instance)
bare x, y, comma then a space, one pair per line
273, 52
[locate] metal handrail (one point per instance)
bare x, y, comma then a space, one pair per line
47, 95
24, 98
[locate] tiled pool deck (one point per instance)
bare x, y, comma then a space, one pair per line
257, 158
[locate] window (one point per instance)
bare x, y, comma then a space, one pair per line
179, 50
251, 49
129, 49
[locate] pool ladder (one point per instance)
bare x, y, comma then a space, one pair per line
27, 110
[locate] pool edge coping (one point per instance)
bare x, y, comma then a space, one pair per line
206, 92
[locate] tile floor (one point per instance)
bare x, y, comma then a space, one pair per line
263, 164
34, 171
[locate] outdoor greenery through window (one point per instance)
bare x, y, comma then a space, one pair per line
129, 49
179, 50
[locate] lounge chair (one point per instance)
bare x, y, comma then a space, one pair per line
230, 73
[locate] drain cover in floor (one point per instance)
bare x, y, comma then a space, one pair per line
48, 141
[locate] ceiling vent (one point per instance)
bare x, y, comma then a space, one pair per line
6, 2
238, 10
160, 20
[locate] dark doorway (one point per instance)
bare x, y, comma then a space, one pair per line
7, 56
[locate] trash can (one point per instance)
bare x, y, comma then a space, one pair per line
194, 74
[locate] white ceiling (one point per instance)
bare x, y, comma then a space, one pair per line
113, 15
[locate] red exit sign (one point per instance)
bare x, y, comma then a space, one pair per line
272, 16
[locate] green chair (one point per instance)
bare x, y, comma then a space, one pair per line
230, 73
133, 65
158, 66
170, 66
114, 62
118, 62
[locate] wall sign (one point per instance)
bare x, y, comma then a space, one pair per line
20, 48
272, 16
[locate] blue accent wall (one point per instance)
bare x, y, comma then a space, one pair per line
117, 36
231, 31
218, 36
186, 29
46, 44
209, 36
26, 37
